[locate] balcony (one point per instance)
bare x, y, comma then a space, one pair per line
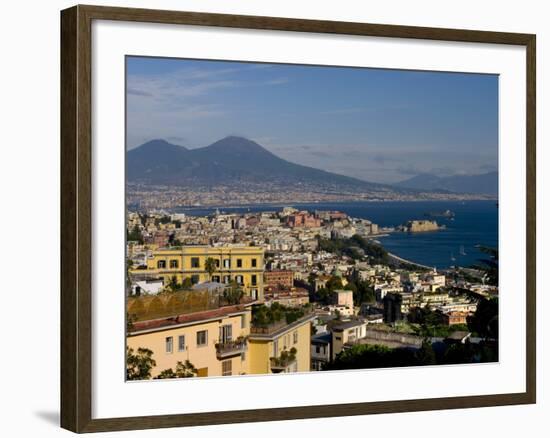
229, 349
282, 363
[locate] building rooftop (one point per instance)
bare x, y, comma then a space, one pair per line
346, 324
321, 338
279, 328
186, 319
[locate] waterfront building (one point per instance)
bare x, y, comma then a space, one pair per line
303, 219
242, 264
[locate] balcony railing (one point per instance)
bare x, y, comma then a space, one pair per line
231, 348
283, 362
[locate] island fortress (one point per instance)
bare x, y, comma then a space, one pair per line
421, 225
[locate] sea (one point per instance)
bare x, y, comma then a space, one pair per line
475, 224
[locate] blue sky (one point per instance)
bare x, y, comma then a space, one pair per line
374, 124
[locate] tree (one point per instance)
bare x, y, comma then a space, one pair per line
426, 354
173, 284
489, 265
130, 319
134, 235
334, 283
363, 292
129, 265
322, 295
183, 370
139, 365
187, 283
234, 293
485, 319
210, 266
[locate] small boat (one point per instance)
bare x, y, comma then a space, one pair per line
462, 252
453, 257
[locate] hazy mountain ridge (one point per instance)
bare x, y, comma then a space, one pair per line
237, 162
228, 160
486, 183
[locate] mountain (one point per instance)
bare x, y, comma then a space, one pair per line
486, 183
156, 157
228, 161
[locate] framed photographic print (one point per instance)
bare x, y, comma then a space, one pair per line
260, 212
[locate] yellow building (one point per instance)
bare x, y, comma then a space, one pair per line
223, 342
271, 349
214, 341
243, 264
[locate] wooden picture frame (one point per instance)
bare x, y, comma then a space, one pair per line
76, 217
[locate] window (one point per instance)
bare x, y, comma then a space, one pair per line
216, 278
227, 263
173, 264
169, 344
254, 263
217, 263
254, 294
295, 337
239, 279
226, 333
243, 321
317, 349
254, 280
226, 279
195, 279
275, 348
181, 343
195, 262
243, 356
239, 263
161, 264
226, 368
202, 338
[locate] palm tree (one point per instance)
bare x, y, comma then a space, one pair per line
210, 267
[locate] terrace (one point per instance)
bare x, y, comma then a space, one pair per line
268, 321
231, 348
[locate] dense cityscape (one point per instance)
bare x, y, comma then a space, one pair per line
150, 197
295, 291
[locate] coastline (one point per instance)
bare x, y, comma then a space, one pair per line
313, 203
476, 223
402, 260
